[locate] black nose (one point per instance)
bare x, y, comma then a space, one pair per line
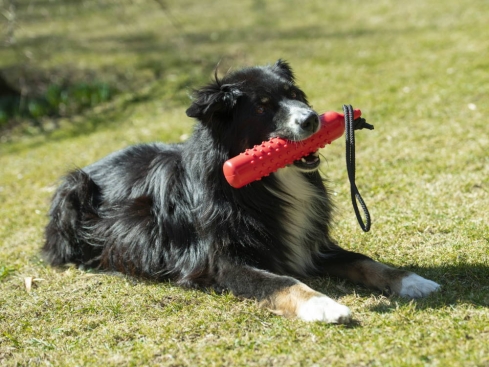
309, 123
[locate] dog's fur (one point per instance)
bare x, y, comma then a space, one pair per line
166, 212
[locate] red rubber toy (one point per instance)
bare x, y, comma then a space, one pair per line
261, 160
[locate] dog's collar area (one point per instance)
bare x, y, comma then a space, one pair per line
309, 162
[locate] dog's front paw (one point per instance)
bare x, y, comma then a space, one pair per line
414, 286
322, 308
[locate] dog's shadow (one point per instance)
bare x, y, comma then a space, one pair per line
460, 284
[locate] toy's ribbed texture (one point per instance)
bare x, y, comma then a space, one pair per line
261, 160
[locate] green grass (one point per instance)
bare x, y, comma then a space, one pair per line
419, 71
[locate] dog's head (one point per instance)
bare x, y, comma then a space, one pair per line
251, 105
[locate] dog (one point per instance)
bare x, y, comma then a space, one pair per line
165, 211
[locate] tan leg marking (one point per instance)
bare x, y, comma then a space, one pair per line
306, 304
286, 302
390, 280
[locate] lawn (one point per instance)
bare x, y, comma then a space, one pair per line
419, 70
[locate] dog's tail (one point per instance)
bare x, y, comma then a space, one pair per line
74, 203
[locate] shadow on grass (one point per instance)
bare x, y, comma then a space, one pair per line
460, 284
91, 121
165, 52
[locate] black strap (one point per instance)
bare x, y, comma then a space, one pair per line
350, 126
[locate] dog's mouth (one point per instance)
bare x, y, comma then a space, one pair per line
308, 163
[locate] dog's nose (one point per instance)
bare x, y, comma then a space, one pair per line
309, 123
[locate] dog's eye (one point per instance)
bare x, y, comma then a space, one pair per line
293, 95
260, 109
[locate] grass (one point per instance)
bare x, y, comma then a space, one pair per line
420, 73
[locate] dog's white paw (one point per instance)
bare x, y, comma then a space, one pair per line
414, 286
322, 308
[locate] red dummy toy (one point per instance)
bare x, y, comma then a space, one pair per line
261, 160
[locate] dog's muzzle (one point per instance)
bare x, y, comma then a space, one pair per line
297, 122
308, 123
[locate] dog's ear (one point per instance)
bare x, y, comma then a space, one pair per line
215, 98
283, 69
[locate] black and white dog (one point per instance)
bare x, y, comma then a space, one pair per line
166, 212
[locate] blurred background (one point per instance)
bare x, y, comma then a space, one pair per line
59, 58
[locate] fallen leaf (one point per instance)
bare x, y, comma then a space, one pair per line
28, 284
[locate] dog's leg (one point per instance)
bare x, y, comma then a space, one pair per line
282, 295
361, 269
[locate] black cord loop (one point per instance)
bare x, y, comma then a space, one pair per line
350, 126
